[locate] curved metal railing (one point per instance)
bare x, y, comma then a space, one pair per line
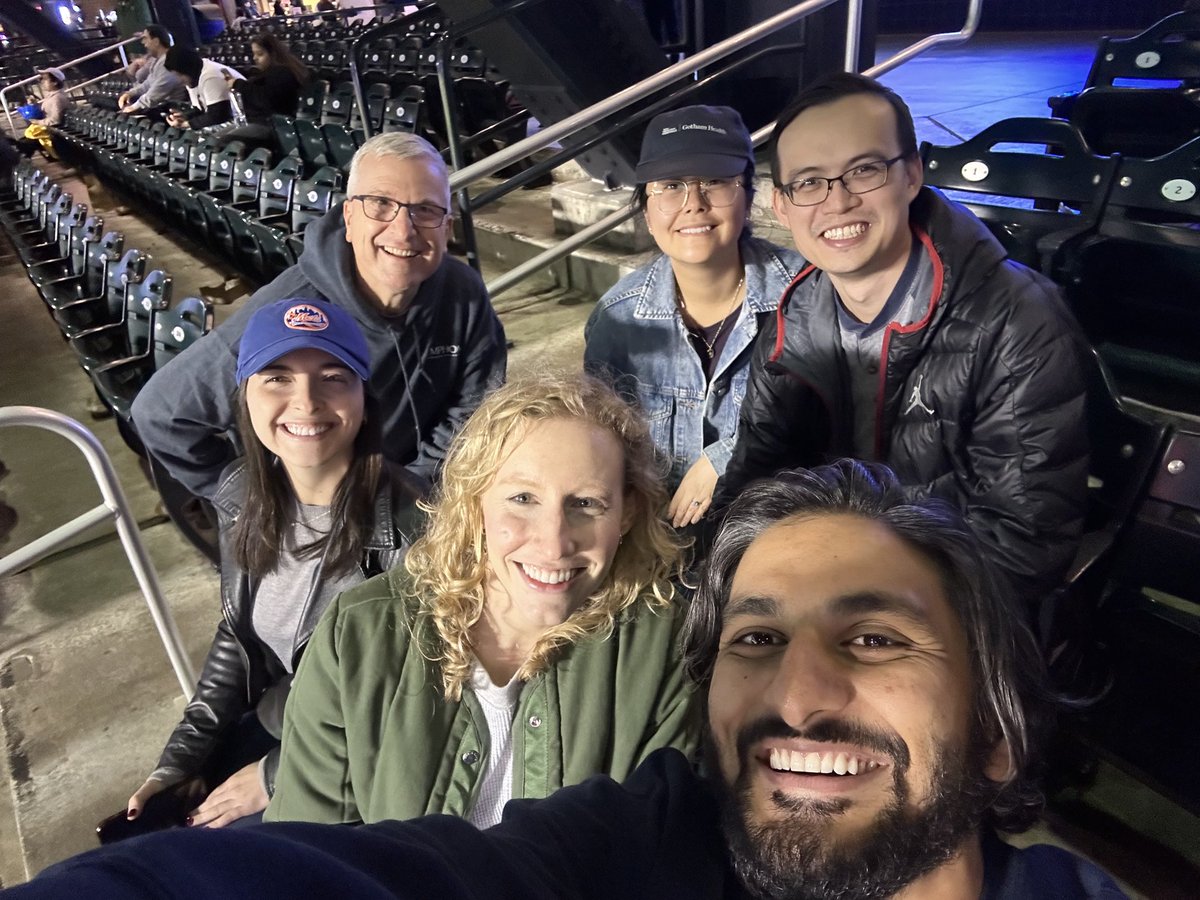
113, 508
119, 46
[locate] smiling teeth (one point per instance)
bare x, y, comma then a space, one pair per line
696, 229
402, 254
819, 763
844, 232
548, 576
306, 430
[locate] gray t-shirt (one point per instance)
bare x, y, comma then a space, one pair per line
862, 343
282, 616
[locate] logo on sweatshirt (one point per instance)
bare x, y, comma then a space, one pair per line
304, 317
439, 350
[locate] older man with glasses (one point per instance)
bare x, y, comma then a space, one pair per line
910, 339
436, 344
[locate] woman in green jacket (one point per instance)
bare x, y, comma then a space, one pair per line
529, 642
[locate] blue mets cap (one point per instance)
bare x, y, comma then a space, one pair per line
295, 324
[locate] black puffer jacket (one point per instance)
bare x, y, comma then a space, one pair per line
982, 400
239, 667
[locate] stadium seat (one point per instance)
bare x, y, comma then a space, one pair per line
1032, 200
1133, 284
53, 271
315, 196
1168, 51
97, 327
312, 99
80, 300
338, 104
180, 326
341, 145
119, 380
58, 253
1141, 123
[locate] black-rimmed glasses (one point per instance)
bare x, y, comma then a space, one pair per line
861, 179
385, 209
671, 196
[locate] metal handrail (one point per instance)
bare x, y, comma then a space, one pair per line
120, 45
623, 98
460, 180
974, 8
113, 507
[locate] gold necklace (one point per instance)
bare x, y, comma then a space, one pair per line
733, 304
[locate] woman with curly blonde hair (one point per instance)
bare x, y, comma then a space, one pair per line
530, 640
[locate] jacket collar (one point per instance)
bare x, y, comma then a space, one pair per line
933, 220
231, 494
656, 291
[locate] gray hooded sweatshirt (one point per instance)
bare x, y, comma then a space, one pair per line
430, 365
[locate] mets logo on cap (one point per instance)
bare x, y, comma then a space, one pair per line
305, 317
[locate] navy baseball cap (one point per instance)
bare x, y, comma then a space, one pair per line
699, 141
295, 324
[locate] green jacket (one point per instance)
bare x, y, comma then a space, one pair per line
369, 736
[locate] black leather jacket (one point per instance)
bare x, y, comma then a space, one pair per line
981, 401
239, 667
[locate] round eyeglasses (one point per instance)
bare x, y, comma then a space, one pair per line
385, 209
862, 179
671, 196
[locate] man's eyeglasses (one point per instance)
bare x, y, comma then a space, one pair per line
671, 196
385, 209
862, 179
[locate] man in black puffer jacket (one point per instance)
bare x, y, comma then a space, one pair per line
911, 339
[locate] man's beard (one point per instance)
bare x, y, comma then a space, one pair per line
798, 858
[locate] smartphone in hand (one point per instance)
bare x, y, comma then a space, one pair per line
166, 809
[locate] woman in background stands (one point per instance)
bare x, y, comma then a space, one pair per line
312, 509
528, 642
678, 333
208, 90
273, 90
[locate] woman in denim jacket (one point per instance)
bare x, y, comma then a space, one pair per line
678, 334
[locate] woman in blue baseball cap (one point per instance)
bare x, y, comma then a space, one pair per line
677, 334
310, 510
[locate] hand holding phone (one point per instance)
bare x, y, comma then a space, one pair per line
168, 808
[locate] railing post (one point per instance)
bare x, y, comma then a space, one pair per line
854, 10
450, 114
118, 509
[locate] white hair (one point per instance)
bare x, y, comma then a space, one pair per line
398, 145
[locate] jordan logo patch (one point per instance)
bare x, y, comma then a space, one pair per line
914, 399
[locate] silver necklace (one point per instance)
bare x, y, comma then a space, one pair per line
709, 346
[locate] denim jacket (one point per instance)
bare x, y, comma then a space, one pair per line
636, 336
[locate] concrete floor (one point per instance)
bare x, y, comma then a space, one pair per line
86, 693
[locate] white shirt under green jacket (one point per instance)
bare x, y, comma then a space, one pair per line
368, 734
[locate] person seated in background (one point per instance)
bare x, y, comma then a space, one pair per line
330, 9
273, 90
311, 509
530, 639
53, 103
436, 344
151, 95
678, 333
138, 68
911, 339
207, 87
874, 714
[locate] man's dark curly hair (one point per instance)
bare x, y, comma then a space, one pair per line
1011, 700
